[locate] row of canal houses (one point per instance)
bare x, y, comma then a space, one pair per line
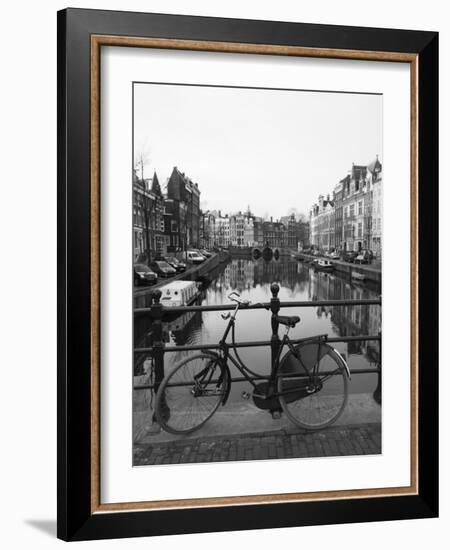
165, 222
245, 230
350, 219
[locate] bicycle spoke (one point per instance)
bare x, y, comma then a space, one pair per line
190, 394
323, 396
327, 376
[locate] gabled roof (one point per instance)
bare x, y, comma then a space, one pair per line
156, 188
174, 184
375, 167
179, 185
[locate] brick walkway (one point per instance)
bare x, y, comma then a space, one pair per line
334, 441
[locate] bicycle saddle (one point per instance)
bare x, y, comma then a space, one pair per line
289, 321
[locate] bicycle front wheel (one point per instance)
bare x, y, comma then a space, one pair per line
313, 385
190, 394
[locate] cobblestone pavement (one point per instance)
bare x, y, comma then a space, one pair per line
358, 439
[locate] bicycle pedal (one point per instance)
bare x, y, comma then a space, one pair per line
276, 415
245, 395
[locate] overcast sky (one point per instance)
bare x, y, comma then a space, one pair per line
274, 150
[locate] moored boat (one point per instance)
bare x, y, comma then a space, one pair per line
323, 265
179, 293
358, 276
297, 256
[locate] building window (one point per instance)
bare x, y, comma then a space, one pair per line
360, 208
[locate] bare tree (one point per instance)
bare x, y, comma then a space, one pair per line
141, 160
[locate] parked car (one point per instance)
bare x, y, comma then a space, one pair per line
200, 252
205, 253
195, 257
162, 268
363, 257
349, 256
334, 255
143, 275
176, 264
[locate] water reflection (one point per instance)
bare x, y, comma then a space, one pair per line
298, 282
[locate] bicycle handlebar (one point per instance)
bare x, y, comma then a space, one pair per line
235, 297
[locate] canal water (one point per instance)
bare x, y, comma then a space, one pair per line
298, 282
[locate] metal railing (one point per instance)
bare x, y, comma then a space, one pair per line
157, 312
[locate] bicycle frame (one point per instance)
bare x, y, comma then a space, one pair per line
224, 350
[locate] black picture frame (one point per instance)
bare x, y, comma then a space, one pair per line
76, 519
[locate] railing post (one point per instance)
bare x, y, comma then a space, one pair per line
158, 347
378, 390
380, 348
275, 308
157, 338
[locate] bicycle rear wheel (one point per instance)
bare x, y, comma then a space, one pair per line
313, 385
190, 394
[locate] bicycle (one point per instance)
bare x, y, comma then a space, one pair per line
309, 384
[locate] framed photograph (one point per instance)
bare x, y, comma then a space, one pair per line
247, 251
